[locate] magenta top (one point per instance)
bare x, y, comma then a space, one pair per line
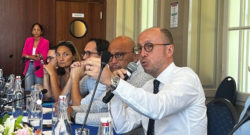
42, 48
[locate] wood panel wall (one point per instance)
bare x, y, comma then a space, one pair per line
16, 19
91, 10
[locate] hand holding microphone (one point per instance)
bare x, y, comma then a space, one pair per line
41, 58
125, 75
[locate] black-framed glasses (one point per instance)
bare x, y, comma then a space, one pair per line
148, 47
49, 58
88, 53
119, 55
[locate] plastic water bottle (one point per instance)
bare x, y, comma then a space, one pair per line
2, 82
10, 91
62, 126
31, 101
36, 117
19, 94
105, 127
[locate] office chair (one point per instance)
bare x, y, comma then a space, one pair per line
221, 116
227, 90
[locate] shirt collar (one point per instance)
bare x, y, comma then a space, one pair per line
162, 77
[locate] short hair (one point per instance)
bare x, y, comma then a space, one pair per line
101, 45
167, 34
33, 25
52, 47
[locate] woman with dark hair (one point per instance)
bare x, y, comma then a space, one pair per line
66, 54
35, 50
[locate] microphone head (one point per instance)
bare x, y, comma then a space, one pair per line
105, 58
11, 56
37, 67
44, 91
132, 67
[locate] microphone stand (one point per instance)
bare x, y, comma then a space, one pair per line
91, 101
2, 107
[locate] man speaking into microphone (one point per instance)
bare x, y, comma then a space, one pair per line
171, 103
122, 53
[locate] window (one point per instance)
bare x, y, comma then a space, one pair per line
238, 43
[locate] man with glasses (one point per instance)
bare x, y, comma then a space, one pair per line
51, 59
122, 51
94, 48
172, 103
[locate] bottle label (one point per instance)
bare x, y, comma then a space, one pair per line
105, 124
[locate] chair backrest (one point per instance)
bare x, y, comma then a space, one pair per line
227, 90
222, 117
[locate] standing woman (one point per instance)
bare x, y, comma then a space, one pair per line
35, 47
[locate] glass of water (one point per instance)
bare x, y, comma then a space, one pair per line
35, 117
54, 116
85, 131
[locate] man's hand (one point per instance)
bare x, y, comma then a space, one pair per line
92, 68
50, 69
120, 73
77, 71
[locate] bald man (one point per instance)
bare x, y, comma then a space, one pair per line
122, 50
173, 103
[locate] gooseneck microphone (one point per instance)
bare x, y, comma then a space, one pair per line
130, 69
245, 118
44, 91
36, 68
104, 60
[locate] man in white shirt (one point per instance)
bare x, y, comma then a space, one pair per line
179, 106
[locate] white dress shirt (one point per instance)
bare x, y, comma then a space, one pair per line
178, 108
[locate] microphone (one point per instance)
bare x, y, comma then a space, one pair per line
41, 59
44, 91
130, 69
36, 68
11, 56
245, 118
104, 60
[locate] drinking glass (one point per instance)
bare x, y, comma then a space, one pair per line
84, 132
54, 116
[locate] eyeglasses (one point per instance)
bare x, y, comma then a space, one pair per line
49, 58
118, 55
148, 47
88, 53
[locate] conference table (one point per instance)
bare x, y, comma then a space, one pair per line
47, 120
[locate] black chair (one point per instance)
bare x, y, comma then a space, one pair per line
222, 117
227, 90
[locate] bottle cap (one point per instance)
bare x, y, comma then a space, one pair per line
39, 102
104, 121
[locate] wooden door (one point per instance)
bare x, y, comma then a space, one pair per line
94, 17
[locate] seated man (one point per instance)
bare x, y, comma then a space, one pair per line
122, 50
51, 59
94, 48
173, 103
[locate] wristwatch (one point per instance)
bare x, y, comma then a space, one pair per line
114, 82
73, 116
